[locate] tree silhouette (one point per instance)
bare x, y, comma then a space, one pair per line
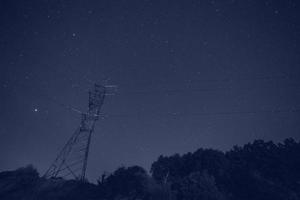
255, 171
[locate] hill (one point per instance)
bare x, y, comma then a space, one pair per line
256, 171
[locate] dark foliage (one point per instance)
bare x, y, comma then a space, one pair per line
257, 171
125, 182
261, 170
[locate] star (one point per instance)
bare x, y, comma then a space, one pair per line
35, 110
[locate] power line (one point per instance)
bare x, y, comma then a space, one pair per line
195, 90
188, 90
195, 114
173, 114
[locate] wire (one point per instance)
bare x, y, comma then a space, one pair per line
195, 90
181, 114
187, 90
55, 101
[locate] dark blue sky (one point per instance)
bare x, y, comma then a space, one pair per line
190, 74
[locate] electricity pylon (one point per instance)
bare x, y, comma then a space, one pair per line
71, 162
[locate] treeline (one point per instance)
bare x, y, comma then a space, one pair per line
257, 171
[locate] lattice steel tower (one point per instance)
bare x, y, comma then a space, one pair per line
71, 162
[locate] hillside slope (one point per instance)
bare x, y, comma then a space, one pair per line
257, 171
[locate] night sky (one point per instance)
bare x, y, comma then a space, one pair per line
189, 74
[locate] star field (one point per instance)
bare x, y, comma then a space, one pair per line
189, 74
